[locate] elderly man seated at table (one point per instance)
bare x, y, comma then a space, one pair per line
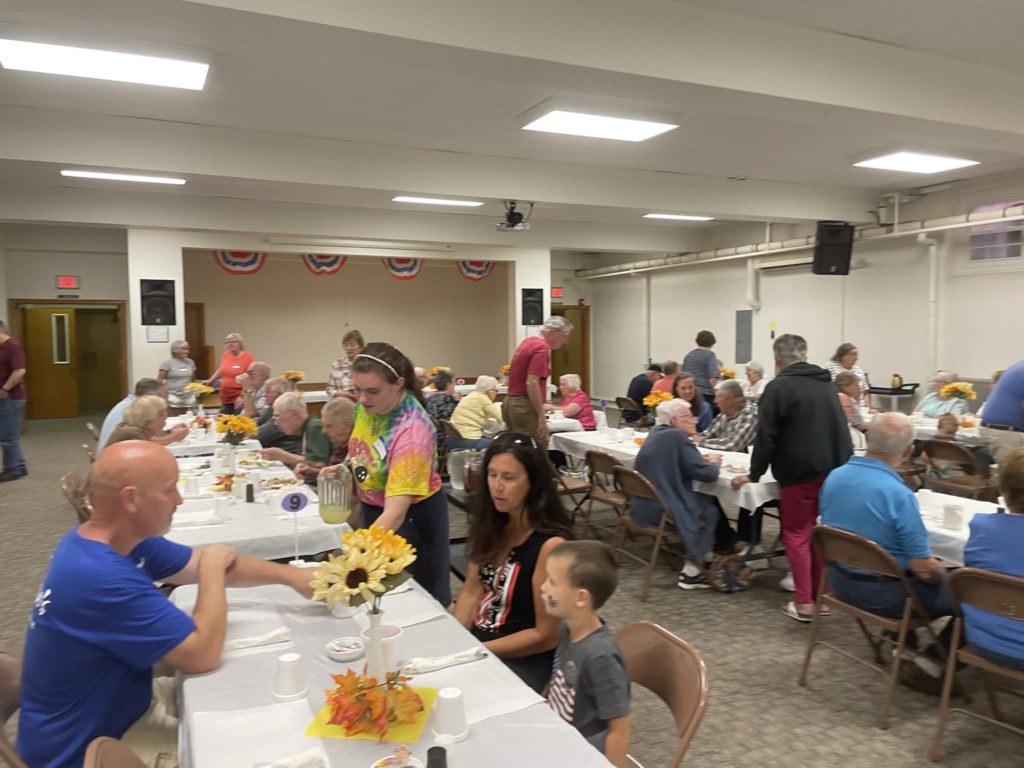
575, 403
253, 383
292, 418
144, 419
99, 624
753, 386
672, 463
473, 413
338, 416
640, 387
272, 389
867, 497
934, 404
995, 544
734, 427
443, 402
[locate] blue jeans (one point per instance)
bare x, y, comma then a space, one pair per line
464, 443
10, 435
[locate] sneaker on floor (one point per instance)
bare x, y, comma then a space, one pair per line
786, 583
8, 476
693, 582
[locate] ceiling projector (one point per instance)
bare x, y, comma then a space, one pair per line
514, 220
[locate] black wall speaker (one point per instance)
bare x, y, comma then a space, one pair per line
157, 300
533, 306
833, 249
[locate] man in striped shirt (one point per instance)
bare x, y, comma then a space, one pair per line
735, 426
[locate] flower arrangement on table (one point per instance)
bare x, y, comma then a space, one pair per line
437, 369
726, 373
236, 428
958, 390
293, 376
362, 705
201, 422
657, 396
371, 564
199, 392
505, 369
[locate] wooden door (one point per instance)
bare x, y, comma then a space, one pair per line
98, 351
51, 363
195, 335
574, 357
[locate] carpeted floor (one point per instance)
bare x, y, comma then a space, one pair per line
757, 714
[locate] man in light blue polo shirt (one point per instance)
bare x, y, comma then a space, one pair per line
1002, 426
867, 497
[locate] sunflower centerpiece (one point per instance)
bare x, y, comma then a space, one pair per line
235, 428
293, 378
198, 392
657, 396
958, 390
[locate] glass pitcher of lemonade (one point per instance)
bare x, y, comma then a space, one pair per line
335, 491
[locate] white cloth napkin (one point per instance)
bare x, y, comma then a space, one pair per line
424, 664
311, 758
243, 738
276, 635
194, 519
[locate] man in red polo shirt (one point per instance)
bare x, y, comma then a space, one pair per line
12, 405
528, 374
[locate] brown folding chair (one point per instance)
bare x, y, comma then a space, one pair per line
672, 669
105, 752
89, 452
995, 593
628, 405
633, 483
604, 489
93, 431
73, 486
974, 483
851, 550
10, 701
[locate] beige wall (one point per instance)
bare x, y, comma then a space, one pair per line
293, 319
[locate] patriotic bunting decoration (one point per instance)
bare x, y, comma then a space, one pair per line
474, 270
240, 262
323, 264
403, 269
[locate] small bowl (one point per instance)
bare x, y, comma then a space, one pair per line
412, 762
345, 648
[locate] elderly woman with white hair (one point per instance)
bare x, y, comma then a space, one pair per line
144, 419
754, 386
233, 362
176, 373
472, 414
575, 403
935, 404
672, 463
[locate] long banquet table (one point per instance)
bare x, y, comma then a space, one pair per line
230, 719
946, 543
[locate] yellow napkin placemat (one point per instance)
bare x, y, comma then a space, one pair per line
407, 733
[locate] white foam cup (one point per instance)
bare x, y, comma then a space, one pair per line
289, 678
450, 714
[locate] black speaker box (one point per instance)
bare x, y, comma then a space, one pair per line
833, 249
533, 306
157, 301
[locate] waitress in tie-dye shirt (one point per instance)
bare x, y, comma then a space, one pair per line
391, 452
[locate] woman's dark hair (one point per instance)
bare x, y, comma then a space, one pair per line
355, 336
706, 339
399, 364
696, 401
842, 351
544, 510
442, 380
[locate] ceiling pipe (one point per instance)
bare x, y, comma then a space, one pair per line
913, 228
933, 300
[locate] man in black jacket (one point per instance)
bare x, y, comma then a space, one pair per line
802, 433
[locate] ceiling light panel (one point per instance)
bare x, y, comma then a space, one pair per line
915, 162
102, 65
122, 177
677, 217
436, 201
597, 126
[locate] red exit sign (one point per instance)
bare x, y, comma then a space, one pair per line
68, 282
557, 293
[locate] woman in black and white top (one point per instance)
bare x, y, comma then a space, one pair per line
845, 359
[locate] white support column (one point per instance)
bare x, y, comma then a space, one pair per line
532, 270
152, 255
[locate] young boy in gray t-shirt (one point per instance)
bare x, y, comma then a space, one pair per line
589, 681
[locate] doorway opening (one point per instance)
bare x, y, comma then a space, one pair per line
574, 357
75, 354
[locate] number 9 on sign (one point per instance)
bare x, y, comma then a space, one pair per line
294, 502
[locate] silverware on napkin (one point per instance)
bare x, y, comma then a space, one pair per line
424, 664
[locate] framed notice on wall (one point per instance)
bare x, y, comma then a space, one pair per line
158, 334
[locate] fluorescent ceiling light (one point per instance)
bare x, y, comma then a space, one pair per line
122, 177
915, 162
435, 201
597, 126
677, 217
102, 65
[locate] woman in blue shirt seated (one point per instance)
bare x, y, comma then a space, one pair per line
685, 388
995, 544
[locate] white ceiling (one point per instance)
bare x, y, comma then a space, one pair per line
347, 104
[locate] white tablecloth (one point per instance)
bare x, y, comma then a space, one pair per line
229, 717
947, 543
205, 445
925, 429
749, 496
320, 395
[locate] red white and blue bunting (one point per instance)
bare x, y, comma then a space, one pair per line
474, 270
240, 262
322, 263
403, 269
